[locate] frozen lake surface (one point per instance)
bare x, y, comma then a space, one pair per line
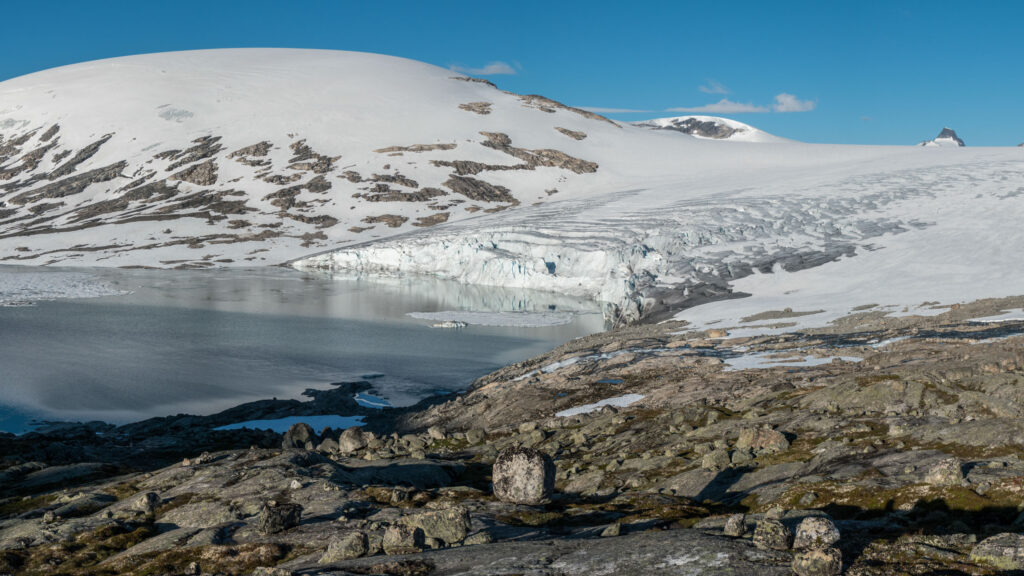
152, 343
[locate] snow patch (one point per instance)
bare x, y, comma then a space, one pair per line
1016, 314
618, 402
772, 360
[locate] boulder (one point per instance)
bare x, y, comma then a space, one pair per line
770, 534
351, 545
814, 562
475, 436
328, 445
146, 503
399, 539
1002, 551
449, 525
816, 533
300, 437
762, 440
351, 440
523, 476
715, 460
947, 472
277, 517
735, 526
482, 537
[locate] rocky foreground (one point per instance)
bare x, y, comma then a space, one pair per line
878, 445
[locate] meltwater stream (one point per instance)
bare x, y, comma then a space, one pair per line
202, 341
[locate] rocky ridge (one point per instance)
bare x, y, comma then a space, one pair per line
902, 454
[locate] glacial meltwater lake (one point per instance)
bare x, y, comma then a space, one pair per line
198, 342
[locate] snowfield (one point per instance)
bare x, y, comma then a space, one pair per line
368, 163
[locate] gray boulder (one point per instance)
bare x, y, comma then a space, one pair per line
735, 526
763, 440
715, 460
826, 562
351, 440
816, 533
277, 517
770, 534
948, 472
300, 437
351, 545
399, 539
146, 503
1002, 551
523, 476
449, 525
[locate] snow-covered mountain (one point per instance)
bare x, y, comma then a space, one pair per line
259, 156
373, 163
711, 127
947, 137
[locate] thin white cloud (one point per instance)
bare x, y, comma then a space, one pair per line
600, 110
789, 103
492, 69
713, 87
723, 106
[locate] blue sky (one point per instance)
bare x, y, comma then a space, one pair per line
865, 72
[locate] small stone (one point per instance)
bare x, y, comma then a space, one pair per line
436, 433
275, 517
146, 503
735, 526
827, 562
193, 569
947, 472
300, 437
715, 460
49, 517
295, 485
816, 533
400, 539
776, 513
808, 499
612, 530
351, 545
523, 476
770, 534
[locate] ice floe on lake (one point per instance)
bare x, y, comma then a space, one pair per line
22, 288
452, 318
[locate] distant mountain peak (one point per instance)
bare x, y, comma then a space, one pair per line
711, 128
947, 137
